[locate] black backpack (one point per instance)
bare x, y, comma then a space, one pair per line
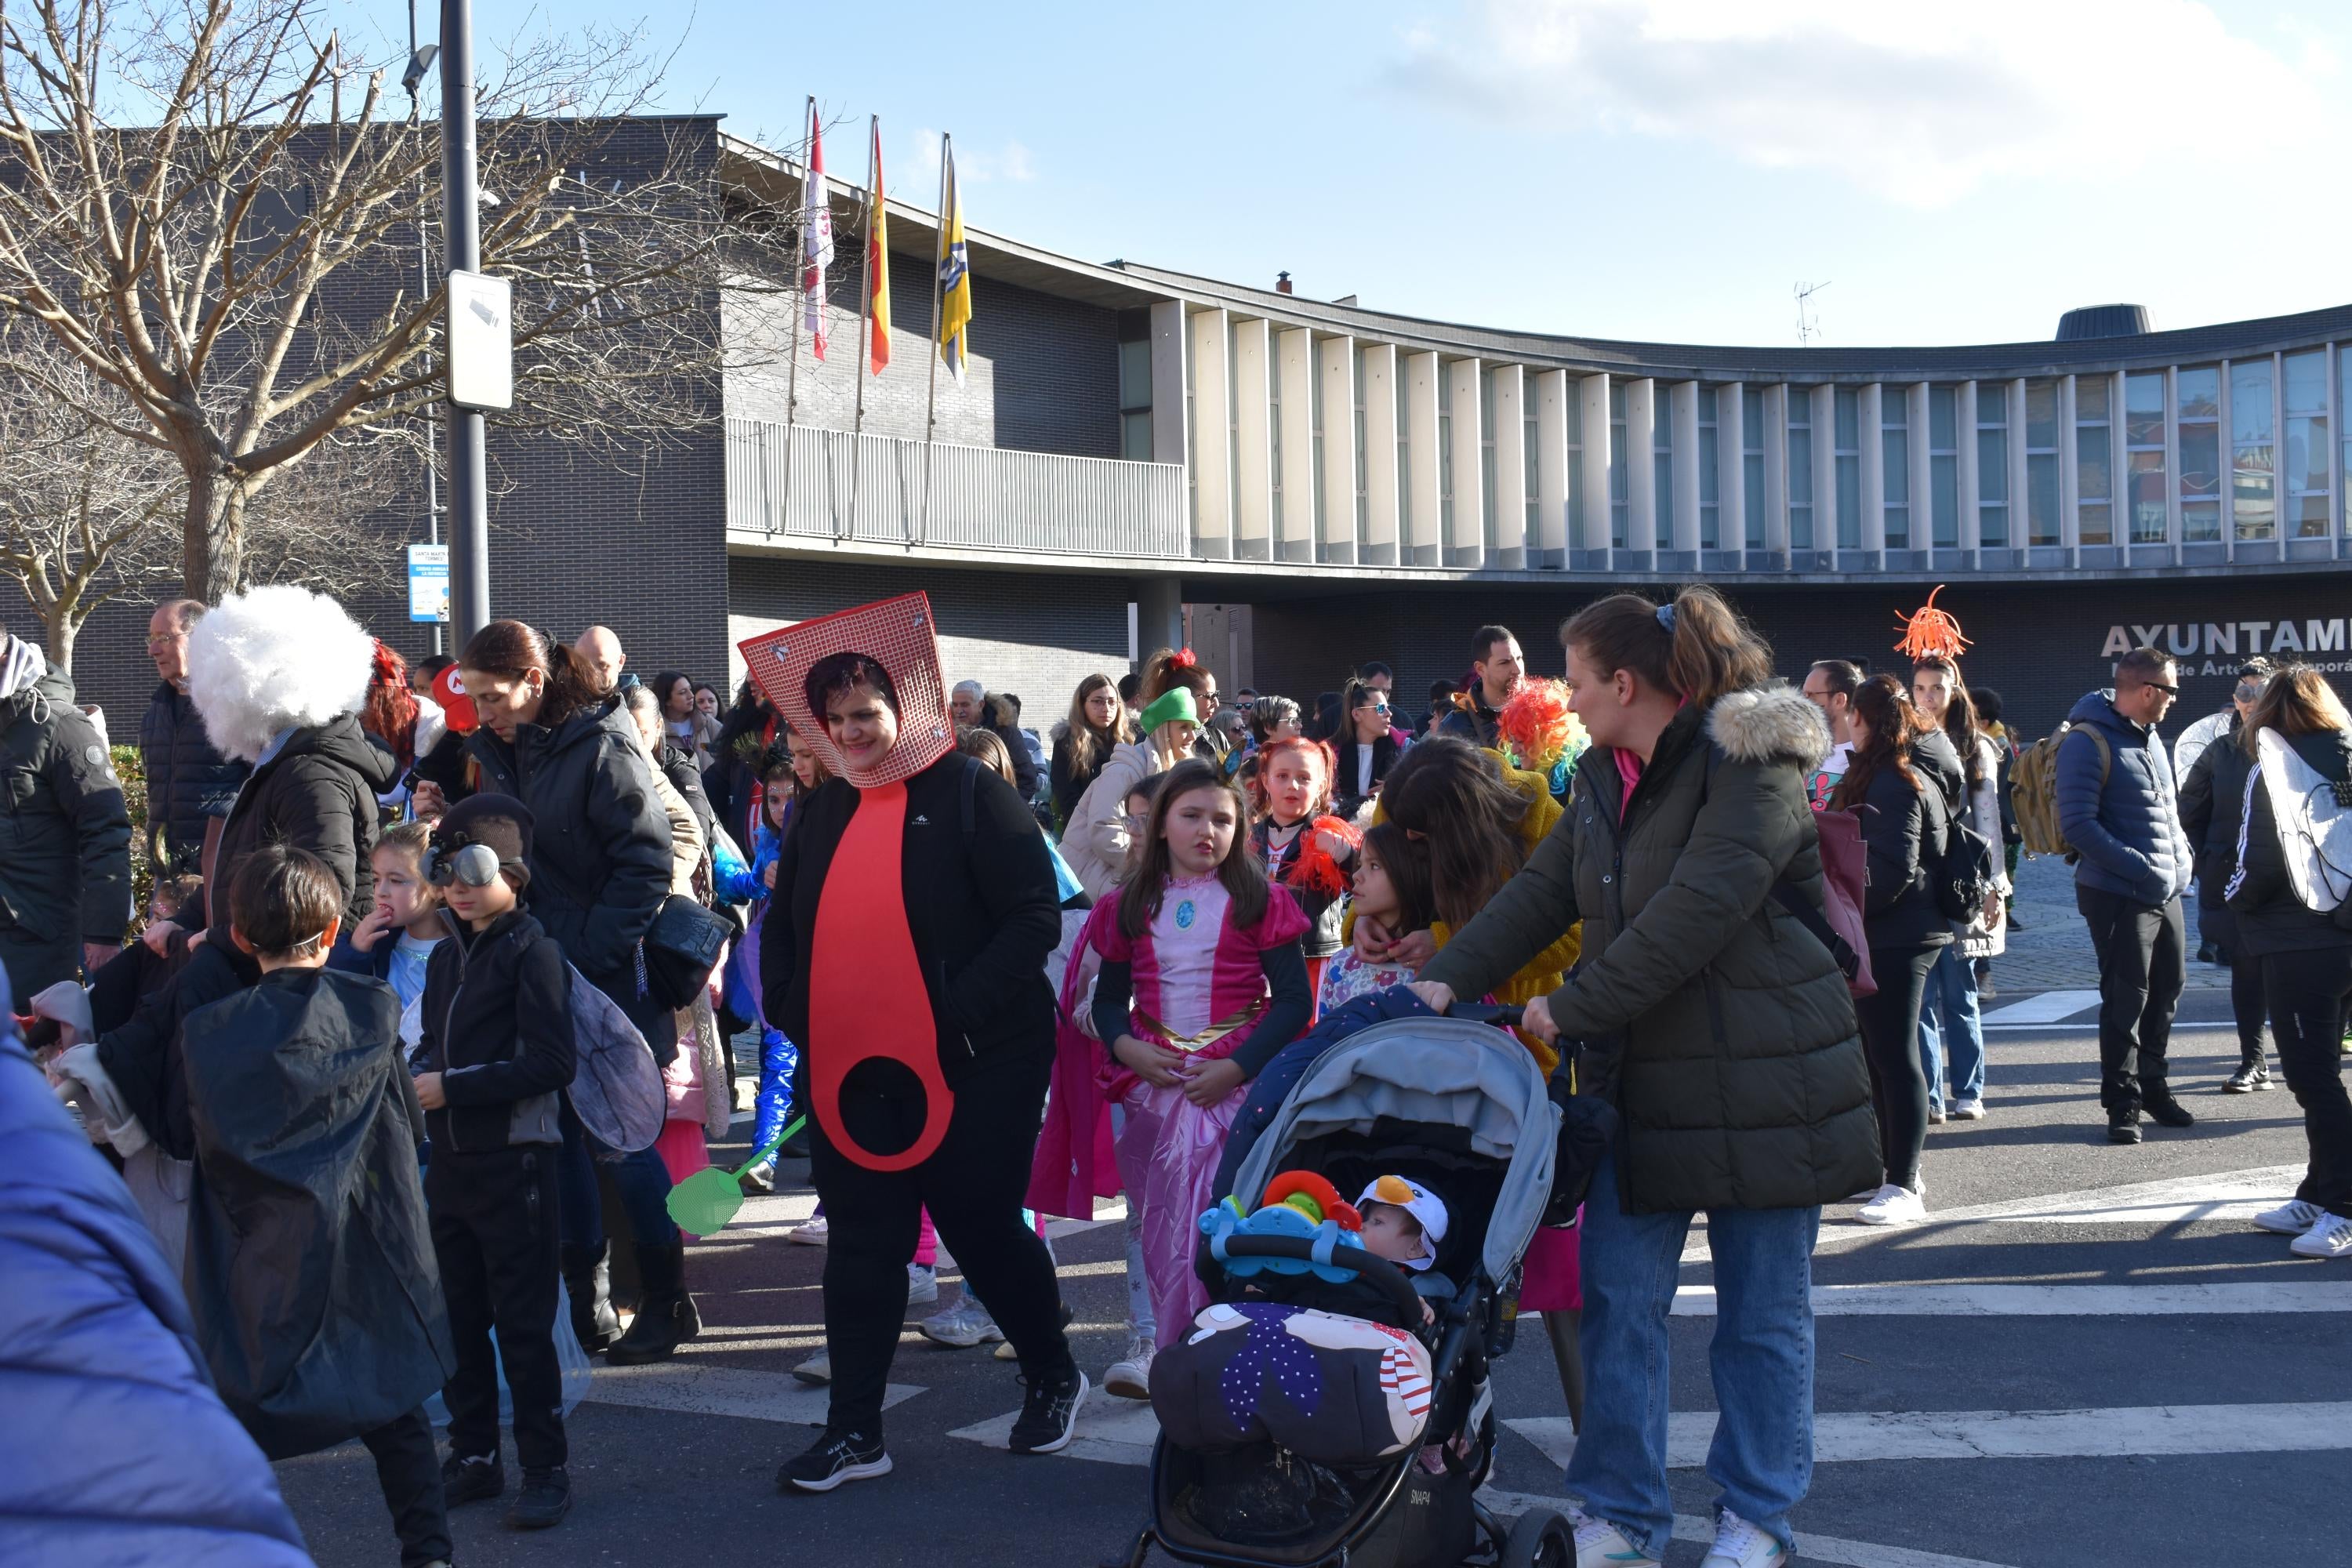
1967, 866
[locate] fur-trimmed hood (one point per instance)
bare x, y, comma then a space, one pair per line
279, 657
1769, 723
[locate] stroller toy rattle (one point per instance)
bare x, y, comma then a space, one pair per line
1296, 1203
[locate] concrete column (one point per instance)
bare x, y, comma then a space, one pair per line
1825, 485
1337, 367
1511, 539
1467, 547
1731, 465
2070, 482
1422, 544
1965, 412
2021, 531
1593, 395
1294, 350
1252, 428
1775, 468
1552, 391
1682, 407
1383, 500
1641, 465
1159, 614
1869, 415
1212, 519
1168, 348
1923, 466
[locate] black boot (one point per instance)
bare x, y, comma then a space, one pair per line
588, 1280
2122, 1126
666, 1316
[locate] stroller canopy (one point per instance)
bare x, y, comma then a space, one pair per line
1444, 1070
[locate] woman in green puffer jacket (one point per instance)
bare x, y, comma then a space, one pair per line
1722, 1030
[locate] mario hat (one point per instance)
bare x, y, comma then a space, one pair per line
1417, 1201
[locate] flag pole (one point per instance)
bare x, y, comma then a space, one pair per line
800, 304
864, 322
938, 305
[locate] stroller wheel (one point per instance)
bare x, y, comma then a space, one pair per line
1539, 1539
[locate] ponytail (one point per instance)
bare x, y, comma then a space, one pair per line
511, 650
1697, 646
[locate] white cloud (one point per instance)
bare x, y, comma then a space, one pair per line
975, 165
1919, 101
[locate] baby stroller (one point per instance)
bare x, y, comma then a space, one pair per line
1459, 1106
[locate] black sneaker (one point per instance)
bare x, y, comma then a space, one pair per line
1049, 1415
2250, 1078
472, 1478
2168, 1111
2122, 1126
836, 1457
544, 1499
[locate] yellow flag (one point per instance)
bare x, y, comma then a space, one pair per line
955, 272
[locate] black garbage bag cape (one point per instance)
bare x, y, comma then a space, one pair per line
311, 1268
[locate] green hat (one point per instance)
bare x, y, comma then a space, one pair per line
1173, 704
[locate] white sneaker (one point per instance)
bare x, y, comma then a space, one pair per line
1006, 1352
2292, 1220
1739, 1545
808, 1233
1130, 1376
1893, 1205
2331, 1237
1600, 1544
1967, 1111
922, 1284
817, 1369
963, 1325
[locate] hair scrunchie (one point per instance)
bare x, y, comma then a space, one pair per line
1666, 618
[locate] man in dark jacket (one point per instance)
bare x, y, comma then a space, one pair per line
315, 791
190, 786
2118, 805
65, 838
1495, 658
974, 708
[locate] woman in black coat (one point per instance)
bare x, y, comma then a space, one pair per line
926, 1027
1366, 749
2212, 801
600, 869
1903, 823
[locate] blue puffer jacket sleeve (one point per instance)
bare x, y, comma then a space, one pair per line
115, 1450
731, 881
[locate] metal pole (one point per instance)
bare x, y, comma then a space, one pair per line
865, 320
414, 80
939, 304
469, 498
800, 301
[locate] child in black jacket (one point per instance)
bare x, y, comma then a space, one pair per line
495, 1052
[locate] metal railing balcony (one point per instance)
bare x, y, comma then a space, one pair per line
809, 483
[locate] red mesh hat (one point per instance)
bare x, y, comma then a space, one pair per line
899, 635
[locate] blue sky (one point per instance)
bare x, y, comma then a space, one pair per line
1957, 170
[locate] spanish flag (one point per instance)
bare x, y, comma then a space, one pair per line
877, 262
955, 268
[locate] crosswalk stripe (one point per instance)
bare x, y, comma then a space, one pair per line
682, 1386
1811, 1547
2153, 1299
2048, 1007
1852, 1437
1111, 1430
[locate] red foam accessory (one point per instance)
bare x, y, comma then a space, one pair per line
1184, 658
457, 708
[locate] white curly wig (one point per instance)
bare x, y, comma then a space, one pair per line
276, 658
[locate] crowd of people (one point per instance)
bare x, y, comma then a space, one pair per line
979, 974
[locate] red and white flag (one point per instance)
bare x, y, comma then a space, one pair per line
816, 239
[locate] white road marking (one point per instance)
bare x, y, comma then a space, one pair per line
1852, 1437
685, 1385
2048, 1007
1111, 1431
1811, 1547
2155, 1299
1113, 1211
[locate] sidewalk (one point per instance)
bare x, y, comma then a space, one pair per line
2053, 952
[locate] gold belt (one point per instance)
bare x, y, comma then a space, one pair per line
1208, 1036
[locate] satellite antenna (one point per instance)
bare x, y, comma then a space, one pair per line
1807, 328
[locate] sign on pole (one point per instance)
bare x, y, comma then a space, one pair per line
482, 340
428, 583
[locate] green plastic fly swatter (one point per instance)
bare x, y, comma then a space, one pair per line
706, 1200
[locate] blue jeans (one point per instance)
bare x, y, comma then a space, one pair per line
641, 1179
1762, 1357
1948, 1020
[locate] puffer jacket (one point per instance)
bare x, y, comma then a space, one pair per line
318, 794
2212, 797
116, 1450
1722, 1030
2128, 834
1902, 826
600, 854
65, 839
188, 781
1094, 840
2270, 918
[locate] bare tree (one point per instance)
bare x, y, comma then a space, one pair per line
207, 205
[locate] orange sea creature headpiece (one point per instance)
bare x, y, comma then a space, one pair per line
1930, 633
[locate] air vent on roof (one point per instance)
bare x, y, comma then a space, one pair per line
2103, 321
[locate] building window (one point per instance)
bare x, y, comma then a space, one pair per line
1617, 502
1894, 460
1572, 401
1363, 458
1135, 400
2303, 479
1662, 465
1944, 464
1404, 455
1992, 464
1445, 455
1315, 418
2200, 422
1800, 468
2254, 459
1274, 438
1531, 450
1752, 463
1191, 441
1232, 430
1847, 406
1710, 529
2144, 455
2094, 461
1486, 457
2041, 463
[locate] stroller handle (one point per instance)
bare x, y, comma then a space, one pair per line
1507, 1017
1387, 1276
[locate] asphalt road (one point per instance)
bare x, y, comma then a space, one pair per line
2087, 1356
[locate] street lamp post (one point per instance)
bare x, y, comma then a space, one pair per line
469, 513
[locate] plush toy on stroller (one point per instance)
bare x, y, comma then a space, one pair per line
1333, 1406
